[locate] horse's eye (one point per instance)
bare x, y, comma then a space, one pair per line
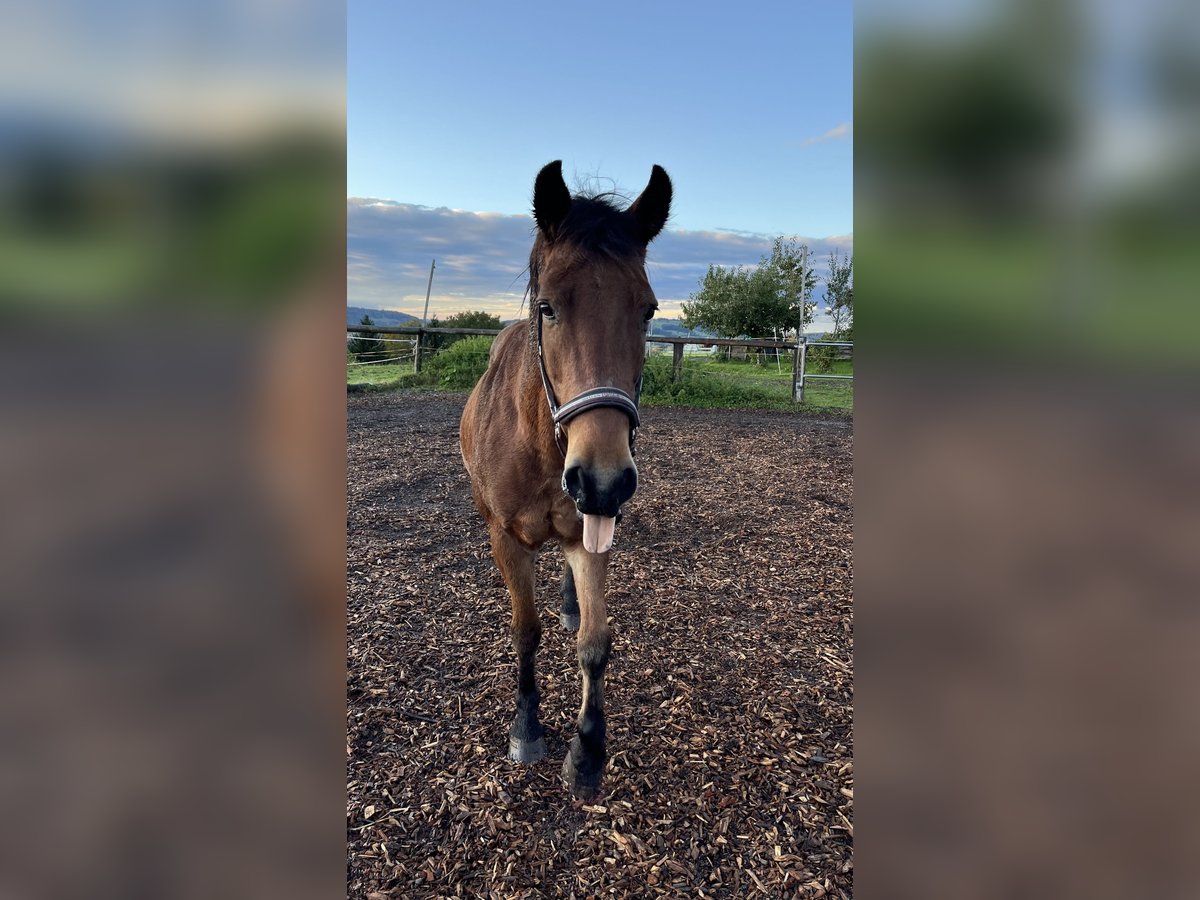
546, 310
650, 313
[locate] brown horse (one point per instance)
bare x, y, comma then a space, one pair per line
541, 471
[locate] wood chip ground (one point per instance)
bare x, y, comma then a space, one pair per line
729, 693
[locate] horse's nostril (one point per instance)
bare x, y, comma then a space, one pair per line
626, 484
573, 481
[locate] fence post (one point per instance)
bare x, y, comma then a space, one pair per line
676, 361
417, 352
798, 369
795, 368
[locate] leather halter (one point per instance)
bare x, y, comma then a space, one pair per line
593, 398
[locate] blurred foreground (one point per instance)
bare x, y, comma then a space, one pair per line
1027, 194
171, 603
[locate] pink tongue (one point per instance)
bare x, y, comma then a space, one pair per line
598, 533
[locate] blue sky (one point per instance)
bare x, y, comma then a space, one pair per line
748, 107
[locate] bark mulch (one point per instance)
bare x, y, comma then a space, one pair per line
729, 692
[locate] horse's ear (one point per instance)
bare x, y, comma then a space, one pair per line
652, 208
551, 199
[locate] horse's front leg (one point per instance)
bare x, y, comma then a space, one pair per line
585, 759
569, 614
526, 741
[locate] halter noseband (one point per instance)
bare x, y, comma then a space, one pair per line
593, 398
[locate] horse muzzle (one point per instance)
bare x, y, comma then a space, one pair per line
598, 492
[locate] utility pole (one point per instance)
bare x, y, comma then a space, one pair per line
424, 317
803, 267
428, 289
801, 341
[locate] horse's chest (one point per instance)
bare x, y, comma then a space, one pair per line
546, 514
564, 518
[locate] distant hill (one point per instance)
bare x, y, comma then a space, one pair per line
354, 316
674, 328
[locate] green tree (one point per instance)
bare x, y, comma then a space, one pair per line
719, 302
790, 283
839, 292
477, 319
839, 299
764, 301
363, 346
435, 341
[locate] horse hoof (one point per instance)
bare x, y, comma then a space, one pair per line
581, 788
526, 752
569, 622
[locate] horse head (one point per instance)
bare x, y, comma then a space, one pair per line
590, 304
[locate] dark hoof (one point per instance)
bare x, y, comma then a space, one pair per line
569, 622
526, 752
582, 777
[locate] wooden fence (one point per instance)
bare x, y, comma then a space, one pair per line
799, 376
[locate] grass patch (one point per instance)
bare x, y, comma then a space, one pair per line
703, 382
455, 368
382, 374
734, 384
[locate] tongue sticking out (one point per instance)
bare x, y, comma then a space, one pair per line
598, 533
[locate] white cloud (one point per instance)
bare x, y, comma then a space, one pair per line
482, 257
836, 133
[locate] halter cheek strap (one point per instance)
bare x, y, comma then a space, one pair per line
593, 398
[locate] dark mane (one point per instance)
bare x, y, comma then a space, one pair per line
594, 225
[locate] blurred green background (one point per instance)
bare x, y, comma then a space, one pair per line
232, 228
1028, 179
170, 157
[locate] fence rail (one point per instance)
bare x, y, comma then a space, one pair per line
413, 329
800, 348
